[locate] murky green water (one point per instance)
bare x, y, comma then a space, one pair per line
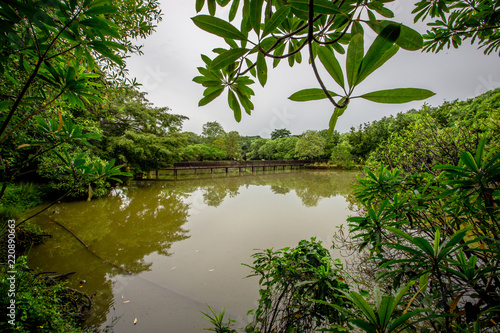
183, 243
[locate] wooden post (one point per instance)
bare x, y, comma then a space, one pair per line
227, 172
157, 175
175, 174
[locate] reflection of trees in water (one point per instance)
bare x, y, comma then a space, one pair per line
123, 229
279, 190
309, 186
147, 218
215, 195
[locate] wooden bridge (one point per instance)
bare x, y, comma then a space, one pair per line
240, 165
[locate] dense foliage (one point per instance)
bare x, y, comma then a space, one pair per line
295, 285
43, 304
425, 244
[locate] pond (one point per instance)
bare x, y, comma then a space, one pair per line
161, 250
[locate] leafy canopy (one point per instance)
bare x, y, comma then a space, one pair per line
280, 30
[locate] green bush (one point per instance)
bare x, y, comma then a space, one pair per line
295, 285
60, 181
18, 198
41, 305
341, 155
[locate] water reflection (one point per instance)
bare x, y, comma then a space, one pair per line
184, 237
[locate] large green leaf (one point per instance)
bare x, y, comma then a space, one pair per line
335, 116
363, 306
379, 52
311, 94
207, 99
244, 99
327, 58
262, 69
385, 310
212, 7
256, 14
234, 105
408, 39
399, 95
234, 9
227, 58
199, 5
355, 53
218, 27
278, 17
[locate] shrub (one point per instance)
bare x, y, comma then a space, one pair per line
41, 305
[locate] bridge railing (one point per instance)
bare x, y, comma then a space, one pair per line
236, 164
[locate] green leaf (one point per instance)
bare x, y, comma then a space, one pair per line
320, 6
101, 10
404, 318
233, 10
367, 327
379, 8
335, 116
217, 27
234, 105
207, 99
212, 6
385, 310
199, 5
256, 14
437, 239
363, 306
261, 69
103, 49
278, 17
244, 100
355, 53
408, 39
327, 58
311, 94
400, 233
467, 158
399, 95
379, 52
227, 58
424, 245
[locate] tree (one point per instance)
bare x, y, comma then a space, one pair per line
310, 145
268, 150
282, 30
230, 144
455, 21
331, 140
280, 133
127, 109
341, 155
192, 138
255, 147
211, 131
146, 151
58, 55
285, 148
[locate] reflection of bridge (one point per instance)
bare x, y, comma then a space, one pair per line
240, 165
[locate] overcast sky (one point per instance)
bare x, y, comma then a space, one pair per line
172, 54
